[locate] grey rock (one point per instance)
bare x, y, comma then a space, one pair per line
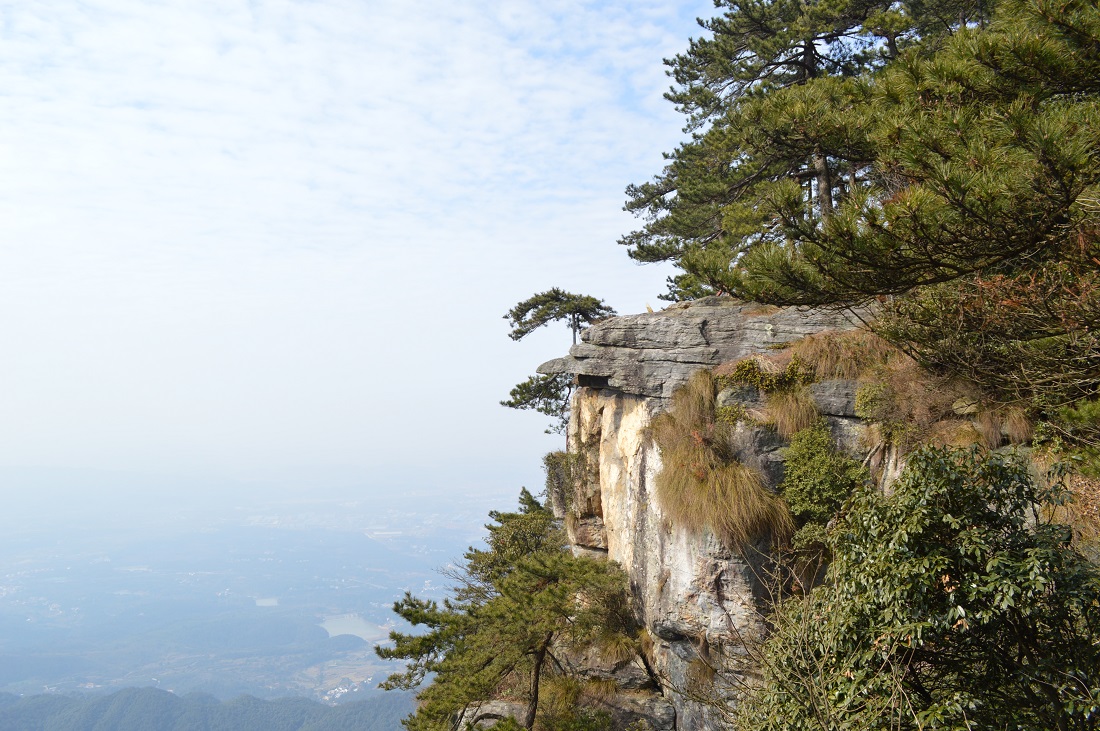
835, 398
594, 664
647, 711
672, 630
747, 397
585, 552
684, 650
587, 532
490, 713
653, 353
849, 434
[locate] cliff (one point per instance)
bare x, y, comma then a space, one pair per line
696, 597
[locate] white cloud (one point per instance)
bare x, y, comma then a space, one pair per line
238, 235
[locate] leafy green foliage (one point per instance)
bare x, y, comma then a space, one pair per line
952, 603
788, 406
748, 372
1079, 425
562, 472
818, 478
516, 604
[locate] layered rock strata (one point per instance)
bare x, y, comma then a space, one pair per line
696, 598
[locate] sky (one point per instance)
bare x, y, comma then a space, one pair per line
271, 242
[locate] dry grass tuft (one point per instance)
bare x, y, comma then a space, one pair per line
845, 354
563, 695
645, 643
759, 310
617, 647
1084, 513
912, 406
559, 694
1016, 425
958, 433
701, 484
790, 411
599, 691
989, 424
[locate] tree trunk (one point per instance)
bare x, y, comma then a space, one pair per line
824, 184
536, 674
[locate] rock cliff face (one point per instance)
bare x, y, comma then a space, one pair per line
694, 596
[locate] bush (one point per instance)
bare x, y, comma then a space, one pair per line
953, 603
818, 477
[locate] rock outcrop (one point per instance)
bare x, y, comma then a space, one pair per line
651, 354
695, 596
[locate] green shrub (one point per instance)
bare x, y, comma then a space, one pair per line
562, 470
1078, 427
818, 477
749, 372
952, 603
788, 407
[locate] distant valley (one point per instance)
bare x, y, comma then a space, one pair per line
282, 599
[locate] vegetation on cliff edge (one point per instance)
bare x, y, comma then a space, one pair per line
519, 607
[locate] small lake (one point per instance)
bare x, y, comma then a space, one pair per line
353, 624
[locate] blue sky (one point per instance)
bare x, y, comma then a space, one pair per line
258, 241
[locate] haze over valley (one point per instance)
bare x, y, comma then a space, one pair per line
270, 596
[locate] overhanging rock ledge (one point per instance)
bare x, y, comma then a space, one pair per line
653, 353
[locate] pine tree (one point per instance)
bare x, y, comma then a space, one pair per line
577, 310
776, 100
980, 235
516, 605
550, 395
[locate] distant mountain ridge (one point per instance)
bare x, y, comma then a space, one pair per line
151, 709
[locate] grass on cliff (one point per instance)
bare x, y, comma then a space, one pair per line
701, 483
783, 381
844, 354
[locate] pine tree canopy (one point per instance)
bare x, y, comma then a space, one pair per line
940, 161
550, 395
777, 100
515, 607
577, 310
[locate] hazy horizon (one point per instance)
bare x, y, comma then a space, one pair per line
261, 243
